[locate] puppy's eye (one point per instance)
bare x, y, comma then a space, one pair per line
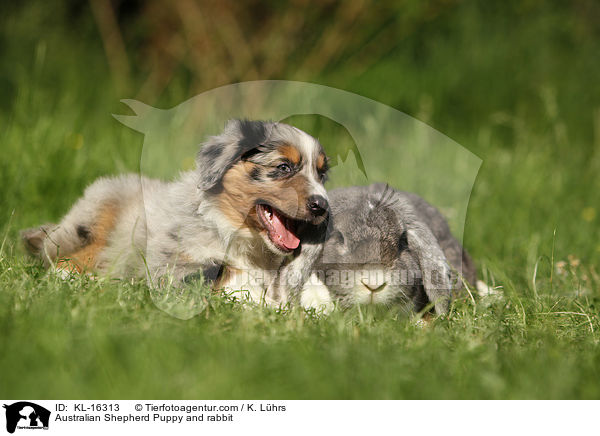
284, 168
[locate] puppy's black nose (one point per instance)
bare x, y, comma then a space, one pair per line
317, 205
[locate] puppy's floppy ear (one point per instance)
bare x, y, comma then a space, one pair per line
220, 152
435, 270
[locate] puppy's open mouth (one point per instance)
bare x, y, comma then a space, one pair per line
281, 229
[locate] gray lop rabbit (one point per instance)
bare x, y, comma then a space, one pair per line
390, 247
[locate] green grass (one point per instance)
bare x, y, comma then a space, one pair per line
91, 339
532, 227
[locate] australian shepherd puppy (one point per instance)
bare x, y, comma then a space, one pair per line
251, 216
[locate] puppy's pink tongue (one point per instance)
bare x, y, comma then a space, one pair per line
283, 235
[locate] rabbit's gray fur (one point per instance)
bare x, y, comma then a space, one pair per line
376, 231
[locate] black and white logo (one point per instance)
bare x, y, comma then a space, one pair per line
26, 415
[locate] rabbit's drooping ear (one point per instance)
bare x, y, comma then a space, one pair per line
434, 266
220, 152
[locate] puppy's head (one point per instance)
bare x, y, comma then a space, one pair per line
267, 178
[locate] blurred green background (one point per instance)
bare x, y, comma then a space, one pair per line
515, 82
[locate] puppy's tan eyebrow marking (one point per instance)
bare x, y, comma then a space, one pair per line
291, 153
322, 162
